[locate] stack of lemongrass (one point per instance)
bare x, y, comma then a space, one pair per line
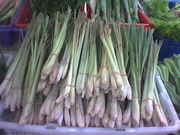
121, 10
80, 76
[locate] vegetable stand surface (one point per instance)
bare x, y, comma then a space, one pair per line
53, 129
77, 72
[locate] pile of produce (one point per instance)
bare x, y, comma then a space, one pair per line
86, 73
121, 10
8, 9
169, 71
166, 21
49, 7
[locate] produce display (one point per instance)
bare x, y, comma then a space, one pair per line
169, 70
122, 10
8, 9
166, 21
49, 7
86, 73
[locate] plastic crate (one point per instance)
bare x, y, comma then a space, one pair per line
168, 48
173, 3
144, 18
7, 34
7, 37
23, 16
12, 128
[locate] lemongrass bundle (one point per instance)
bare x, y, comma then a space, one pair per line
81, 80
38, 50
60, 30
148, 90
138, 50
92, 80
105, 33
77, 44
104, 72
119, 52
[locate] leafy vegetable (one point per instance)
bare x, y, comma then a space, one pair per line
165, 21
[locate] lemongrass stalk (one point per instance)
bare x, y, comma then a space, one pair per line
104, 9
155, 120
90, 87
7, 89
106, 117
119, 117
67, 103
97, 121
141, 123
42, 85
67, 87
127, 114
64, 64
67, 119
103, 107
113, 84
96, 86
111, 123
104, 72
87, 120
53, 75
78, 38
91, 105
31, 117
129, 123
7, 102
79, 112
92, 122
93, 5
13, 101
82, 72
47, 89
57, 111
66, 68
17, 115
159, 112
60, 72
96, 75
126, 5
49, 103
113, 110
99, 102
73, 115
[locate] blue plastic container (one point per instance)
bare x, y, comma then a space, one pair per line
7, 34
7, 37
168, 48
172, 3
20, 33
